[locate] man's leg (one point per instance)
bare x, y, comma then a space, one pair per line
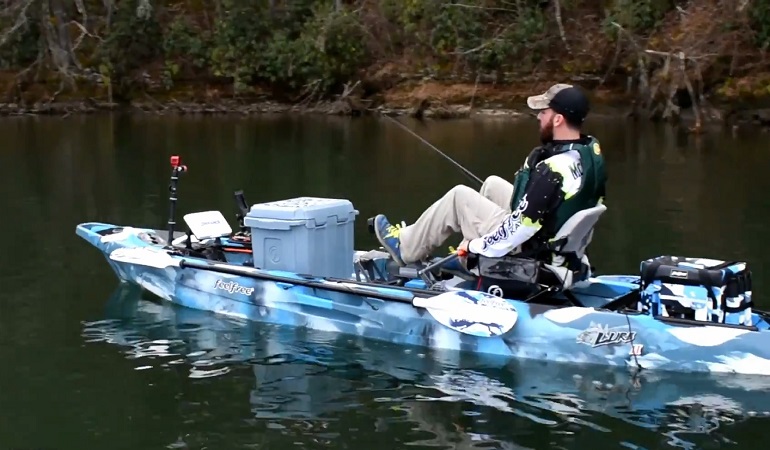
461, 209
498, 190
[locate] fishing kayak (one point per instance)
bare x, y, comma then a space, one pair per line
292, 262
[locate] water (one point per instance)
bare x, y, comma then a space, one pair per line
87, 364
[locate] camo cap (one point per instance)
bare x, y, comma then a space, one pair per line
565, 99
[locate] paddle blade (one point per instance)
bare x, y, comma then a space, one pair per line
470, 312
144, 256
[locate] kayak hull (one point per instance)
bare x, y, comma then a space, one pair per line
585, 335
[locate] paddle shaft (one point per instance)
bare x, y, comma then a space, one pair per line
313, 284
458, 165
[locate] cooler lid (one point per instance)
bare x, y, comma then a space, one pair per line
303, 208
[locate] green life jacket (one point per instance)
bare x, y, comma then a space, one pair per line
591, 192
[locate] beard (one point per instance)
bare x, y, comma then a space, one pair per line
546, 133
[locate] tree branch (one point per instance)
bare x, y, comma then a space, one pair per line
557, 12
21, 20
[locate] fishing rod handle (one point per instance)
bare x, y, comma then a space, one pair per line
442, 261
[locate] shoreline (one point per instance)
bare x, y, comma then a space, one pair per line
424, 99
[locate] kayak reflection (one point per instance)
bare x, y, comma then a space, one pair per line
458, 399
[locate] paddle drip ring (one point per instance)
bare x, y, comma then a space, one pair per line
495, 290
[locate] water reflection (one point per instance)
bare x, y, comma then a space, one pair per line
287, 385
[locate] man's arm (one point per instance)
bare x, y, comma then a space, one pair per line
543, 194
602, 191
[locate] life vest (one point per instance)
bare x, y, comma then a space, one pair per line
590, 168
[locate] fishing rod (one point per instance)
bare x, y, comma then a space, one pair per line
177, 169
458, 165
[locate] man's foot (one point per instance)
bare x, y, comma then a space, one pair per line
388, 235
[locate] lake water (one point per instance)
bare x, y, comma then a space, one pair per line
89, 364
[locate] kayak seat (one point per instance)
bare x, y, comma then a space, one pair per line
519, 274
571, 243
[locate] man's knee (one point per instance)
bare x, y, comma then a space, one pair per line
493, 180
495, 186
461, 190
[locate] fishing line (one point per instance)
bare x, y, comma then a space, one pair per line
458, 165
633, 352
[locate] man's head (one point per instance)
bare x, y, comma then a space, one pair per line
561, 112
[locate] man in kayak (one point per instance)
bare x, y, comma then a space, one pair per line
559, 178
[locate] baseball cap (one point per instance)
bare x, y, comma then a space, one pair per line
565, 99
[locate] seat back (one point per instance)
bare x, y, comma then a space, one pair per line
573, 238
577, 232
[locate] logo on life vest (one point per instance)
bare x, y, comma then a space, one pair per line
597, 149
576, 169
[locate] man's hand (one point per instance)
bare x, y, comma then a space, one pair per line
462, 249
462, 253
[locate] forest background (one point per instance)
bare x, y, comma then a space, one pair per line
658, 59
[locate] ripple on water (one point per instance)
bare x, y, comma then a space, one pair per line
311, 389
192, 344
154, 348
199, 373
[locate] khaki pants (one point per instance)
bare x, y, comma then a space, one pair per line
462, 209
